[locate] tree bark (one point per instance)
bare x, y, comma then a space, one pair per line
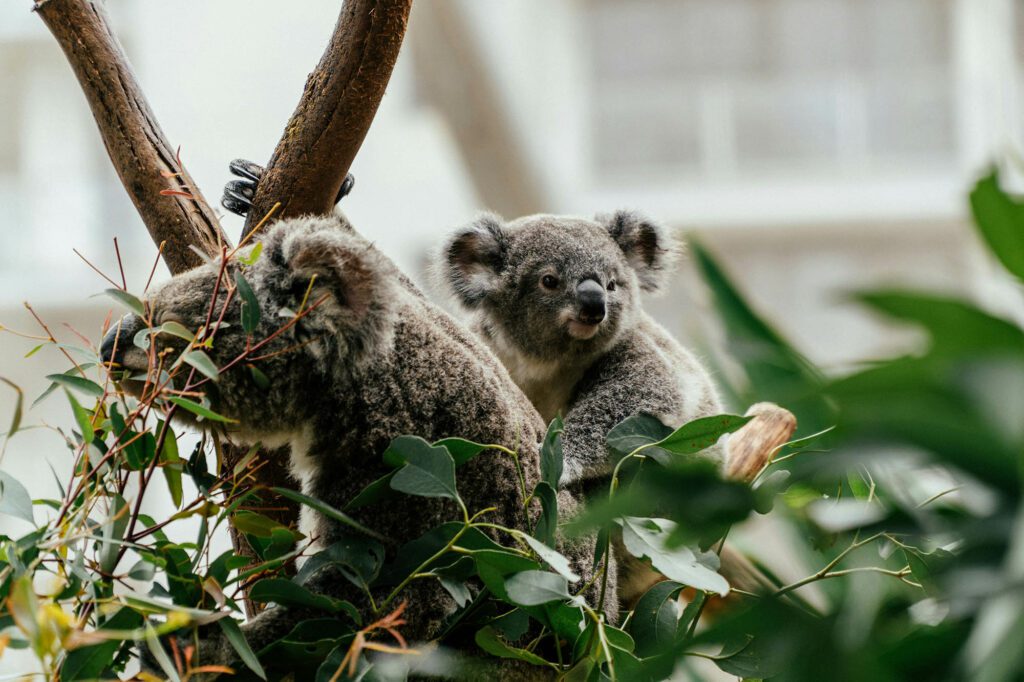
305, 173
171, 206
335, 112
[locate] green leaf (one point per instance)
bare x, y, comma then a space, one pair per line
88, 663
460, 449
453, 579
261, 379
82, 418
284, 592
547, 523
113, 533
127, 300
256, 524
552, 559
702, 433
357, 558
647, 539
253, 254
77, 383
162, 659
1000, 221
776, 371
234, 635
655, 619
18, 407
532, 588
14, 498
202, 362
197, 409
428, 472
551, 457
488, 640
172, 465
327, 510
955, 326
250, 304
494, 565
377, 491
640, 430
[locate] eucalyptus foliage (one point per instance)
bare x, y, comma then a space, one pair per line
913, 584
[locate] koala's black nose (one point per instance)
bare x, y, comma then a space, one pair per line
119, 338
590, 295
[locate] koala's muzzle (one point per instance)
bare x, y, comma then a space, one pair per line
120, 340
590, 296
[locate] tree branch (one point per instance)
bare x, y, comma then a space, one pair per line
752, 447
142, 156
334, 114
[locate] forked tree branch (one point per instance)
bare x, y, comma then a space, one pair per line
305, 173
171, 206
335, 112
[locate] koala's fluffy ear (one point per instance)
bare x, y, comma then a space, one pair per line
345, 269
473, 259
648, 246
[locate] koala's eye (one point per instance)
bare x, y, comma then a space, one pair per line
611, 285
549, 282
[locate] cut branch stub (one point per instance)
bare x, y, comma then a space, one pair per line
752, 447
169, 203
335, 111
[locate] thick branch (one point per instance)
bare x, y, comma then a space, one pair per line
335, 111
142, 156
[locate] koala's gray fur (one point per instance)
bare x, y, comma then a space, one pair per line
373, 361
594, 376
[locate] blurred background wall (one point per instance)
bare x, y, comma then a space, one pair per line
817, 145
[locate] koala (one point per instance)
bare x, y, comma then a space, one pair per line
558, 301
372, 360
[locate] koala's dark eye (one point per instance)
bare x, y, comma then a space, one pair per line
611, 285
549, 282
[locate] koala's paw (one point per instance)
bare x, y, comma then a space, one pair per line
238, 194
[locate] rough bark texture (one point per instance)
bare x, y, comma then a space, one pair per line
335, 111
307, 168
143, 158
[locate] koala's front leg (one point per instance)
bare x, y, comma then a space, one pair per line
238, 194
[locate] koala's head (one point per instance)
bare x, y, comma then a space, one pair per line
553, 285
324, 297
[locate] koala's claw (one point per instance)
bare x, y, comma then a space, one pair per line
238, 194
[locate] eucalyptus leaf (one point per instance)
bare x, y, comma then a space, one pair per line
428, 472
648, 539
234, 635
532, 588
129, 301
200, 410
327, 510
14, 498
488, 640
202, 362
250, 304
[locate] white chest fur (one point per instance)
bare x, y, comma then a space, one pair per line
548, 385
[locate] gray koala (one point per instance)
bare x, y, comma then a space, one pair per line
372, 361
558, 300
